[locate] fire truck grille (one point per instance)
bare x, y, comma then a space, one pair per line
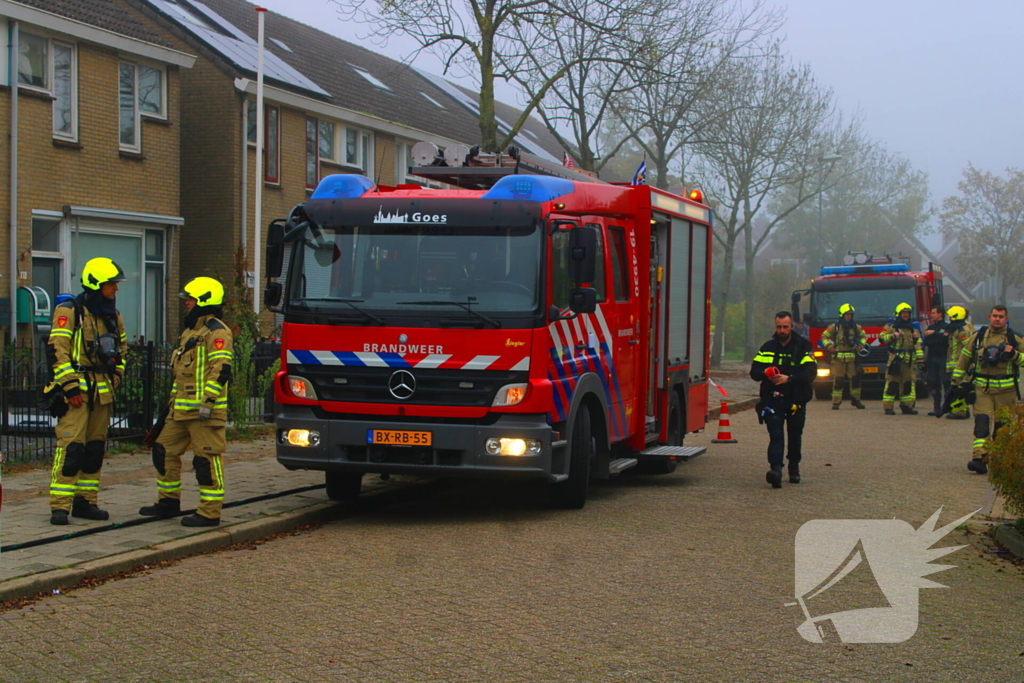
877, 354
432, 387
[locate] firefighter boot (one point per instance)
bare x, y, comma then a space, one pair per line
165, 507
907, 410
794, 473
774, 476
86, 510
198, 520
857, 404
59, 517
835, 406
978, 465
890, 411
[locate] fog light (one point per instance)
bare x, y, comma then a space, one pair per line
302, 437
824, 372
497, 446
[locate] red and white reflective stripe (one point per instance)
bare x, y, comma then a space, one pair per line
480, 363
434, 360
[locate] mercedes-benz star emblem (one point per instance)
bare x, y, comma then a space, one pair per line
402, 338
402, 384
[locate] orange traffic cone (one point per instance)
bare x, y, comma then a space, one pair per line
724, 433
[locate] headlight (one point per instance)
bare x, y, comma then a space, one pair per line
498, 446
301, 387
510, 395
824, 372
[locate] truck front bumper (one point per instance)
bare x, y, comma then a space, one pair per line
456, 449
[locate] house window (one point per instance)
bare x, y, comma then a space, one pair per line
271, 171
271, 137
151, 92
49, 66
153, 324
328, 148
312, 152
351, 146
128, 120
47, 256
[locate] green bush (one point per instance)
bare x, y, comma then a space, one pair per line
1006, 459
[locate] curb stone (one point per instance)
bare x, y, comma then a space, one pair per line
217, 537
1010, 538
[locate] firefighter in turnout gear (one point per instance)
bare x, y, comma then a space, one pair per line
905, 352
86, 349
960, 330
994, 354
843, 339
198, 407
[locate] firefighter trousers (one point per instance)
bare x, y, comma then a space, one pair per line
844, 373
985, 423
81, 443
208, 445
902, 386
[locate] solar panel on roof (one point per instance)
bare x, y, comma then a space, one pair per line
238, 48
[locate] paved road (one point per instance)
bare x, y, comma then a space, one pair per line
676, 578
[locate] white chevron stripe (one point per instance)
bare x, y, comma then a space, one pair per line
566, 335
604, 330
433, 360
292, 358
524, 364
480, 363
326, 358
372, 360
556, 339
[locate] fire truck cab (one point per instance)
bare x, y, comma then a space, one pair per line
530, 322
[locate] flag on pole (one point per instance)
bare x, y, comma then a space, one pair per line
567, 161
640, 177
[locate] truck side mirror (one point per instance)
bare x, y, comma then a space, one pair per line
275, 249
272, 294
583, 254
583, 300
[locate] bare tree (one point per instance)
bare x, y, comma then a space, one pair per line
675, 103
988, 221
775, 114
868, 200
494, 39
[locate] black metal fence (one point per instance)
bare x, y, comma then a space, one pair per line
27, 429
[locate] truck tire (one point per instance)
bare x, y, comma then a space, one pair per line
823, 392
343, 486
571, 494
675, 436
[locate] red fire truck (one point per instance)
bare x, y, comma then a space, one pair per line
533, 323
874, 285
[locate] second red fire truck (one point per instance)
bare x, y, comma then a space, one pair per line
874, 286
533, 323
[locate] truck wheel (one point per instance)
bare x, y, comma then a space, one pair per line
343, 486
823, 392
571, 494
675, 436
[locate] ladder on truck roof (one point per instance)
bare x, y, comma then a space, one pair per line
471, 169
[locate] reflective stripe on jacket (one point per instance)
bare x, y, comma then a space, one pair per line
202, 370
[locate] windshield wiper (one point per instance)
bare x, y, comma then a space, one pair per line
464, 305
351, 303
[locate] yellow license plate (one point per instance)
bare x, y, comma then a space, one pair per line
871, 368
395, 437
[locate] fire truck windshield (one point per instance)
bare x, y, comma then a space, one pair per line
382, 268
871, 304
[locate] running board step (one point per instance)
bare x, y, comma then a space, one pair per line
677, 452
621, 464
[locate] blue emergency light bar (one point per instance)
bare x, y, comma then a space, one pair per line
530, 188
342, 186
864, 270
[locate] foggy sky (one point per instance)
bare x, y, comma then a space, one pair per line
938, 82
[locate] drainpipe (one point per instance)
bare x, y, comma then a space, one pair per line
245, 176
12, 69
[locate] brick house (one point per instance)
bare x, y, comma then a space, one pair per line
330, 107
95, 157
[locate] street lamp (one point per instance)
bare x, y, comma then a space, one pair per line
822, 160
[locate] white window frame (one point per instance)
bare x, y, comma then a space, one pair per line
48, 89
365, 142
335, 126
136, 147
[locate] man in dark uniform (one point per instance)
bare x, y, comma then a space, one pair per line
936, 348
786, 369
